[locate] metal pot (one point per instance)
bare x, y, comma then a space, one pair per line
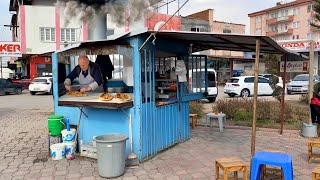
117, 89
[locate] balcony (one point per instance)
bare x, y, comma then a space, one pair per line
271, 33
280, 19
272, 21
285, 19
289, 31
279, 33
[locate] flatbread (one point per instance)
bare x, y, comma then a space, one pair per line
77, 94
105, 97
123, 97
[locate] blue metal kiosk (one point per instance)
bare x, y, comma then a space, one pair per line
162, 75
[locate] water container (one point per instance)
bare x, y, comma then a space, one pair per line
68, 136
58, 151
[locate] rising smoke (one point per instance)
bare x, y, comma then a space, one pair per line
118, 10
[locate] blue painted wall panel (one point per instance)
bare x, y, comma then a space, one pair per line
167, 127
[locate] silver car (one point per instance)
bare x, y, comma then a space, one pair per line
300, 83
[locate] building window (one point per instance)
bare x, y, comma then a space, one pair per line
309, 36
258, 31
68, 35
110, 32
226, 31
309, 8
284, 13
273, 15
195, 29
310, 21
273, 28
295, 11
295, 24
297, 36
47, 34
258, 19
293, 36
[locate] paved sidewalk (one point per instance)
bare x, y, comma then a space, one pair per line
24, 152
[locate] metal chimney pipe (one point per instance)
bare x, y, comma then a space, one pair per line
98, 30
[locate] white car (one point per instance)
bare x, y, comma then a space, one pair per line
268, 76
300, 83
198, 74
41, 84
244, 86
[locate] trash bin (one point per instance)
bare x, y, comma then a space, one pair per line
111, 154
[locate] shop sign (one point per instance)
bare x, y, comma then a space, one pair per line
154, 21
299, 46
295, 66
10, 49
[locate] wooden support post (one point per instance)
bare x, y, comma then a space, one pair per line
284, 58
311, 59
255, 94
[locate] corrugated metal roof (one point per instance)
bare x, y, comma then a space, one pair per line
204, 41
245, 43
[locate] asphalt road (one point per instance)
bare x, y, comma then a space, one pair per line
26, 101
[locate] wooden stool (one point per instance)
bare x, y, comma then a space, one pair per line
193, 120
313, 143
316, 173
232, 164
270, 171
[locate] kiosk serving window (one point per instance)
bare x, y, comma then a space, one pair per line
115, 64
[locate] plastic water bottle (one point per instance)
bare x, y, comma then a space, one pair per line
68, 124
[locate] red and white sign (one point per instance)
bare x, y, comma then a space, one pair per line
10, 49
295, 66
299, 46
155, 21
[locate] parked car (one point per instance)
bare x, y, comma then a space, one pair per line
237, 73
300, 83
41, 84
7, 87
212, 82
24, 82
244, 85
268, 76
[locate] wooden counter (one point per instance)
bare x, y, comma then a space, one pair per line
92, 101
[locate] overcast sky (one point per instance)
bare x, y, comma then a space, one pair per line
235, 11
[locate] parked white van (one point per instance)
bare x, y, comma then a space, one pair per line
212, 82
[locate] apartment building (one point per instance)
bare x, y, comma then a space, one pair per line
39, 26
289, 25
222, 61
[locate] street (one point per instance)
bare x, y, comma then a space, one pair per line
24, 148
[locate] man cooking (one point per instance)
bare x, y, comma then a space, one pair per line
89, 75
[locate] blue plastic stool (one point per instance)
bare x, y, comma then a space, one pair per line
273, 159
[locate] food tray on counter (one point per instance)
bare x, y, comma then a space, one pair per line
92, 100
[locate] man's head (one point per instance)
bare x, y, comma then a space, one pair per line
83, 62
